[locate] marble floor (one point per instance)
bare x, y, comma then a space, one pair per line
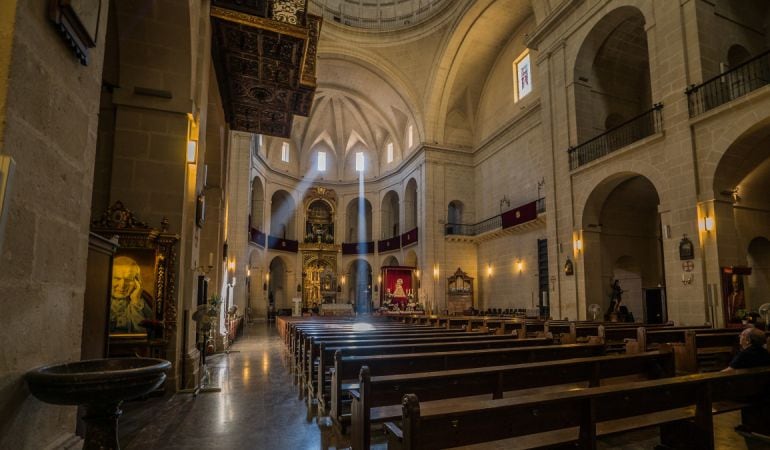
258, 407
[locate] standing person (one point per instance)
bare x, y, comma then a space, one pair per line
753, 352
615, 297
128, 307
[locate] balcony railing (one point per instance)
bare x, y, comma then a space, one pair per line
630, 131
727, 86
516, 216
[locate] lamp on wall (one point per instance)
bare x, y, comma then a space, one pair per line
231, 272
520, 265
267, 280
578, 245
706, 223
192, 151
489, 270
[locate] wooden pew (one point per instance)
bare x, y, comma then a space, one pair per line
705, 351
326, 354
307, 350
311, 358
346, 368
651, 339
377, 398
302, 342
684, 407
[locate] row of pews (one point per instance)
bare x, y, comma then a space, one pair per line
441, 382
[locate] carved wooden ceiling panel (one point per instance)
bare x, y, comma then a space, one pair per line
265, 67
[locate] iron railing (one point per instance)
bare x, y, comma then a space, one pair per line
493, 223
728, 86
630, 131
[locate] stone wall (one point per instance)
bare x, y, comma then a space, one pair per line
51, 115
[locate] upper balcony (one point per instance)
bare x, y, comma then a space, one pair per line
730, 85
645, 124
521, 218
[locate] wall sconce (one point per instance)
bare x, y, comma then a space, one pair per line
489, 270
706, 224
343, 280
436, 272
686, 278
578, 245
417, 275
231, 272
267, 280
520, 265
192, 151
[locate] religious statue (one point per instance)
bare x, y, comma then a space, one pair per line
399, 292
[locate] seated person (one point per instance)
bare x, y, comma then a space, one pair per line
753, 352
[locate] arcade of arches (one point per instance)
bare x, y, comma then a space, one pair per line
544, 147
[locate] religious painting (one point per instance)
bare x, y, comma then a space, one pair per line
132, 299
142, 290
734, 294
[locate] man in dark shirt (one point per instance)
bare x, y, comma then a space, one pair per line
753, 352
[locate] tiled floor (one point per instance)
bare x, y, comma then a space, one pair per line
259, 408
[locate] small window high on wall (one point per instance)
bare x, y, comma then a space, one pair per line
285, 152
359, 161
522, 73
321, 161
390, 152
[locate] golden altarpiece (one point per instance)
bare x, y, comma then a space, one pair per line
320, 282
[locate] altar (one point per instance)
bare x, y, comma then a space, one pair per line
399, 287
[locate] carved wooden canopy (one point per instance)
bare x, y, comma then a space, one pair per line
264, 54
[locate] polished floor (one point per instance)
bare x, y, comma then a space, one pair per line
258, 407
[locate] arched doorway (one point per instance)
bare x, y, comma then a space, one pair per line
360, 290
621, 240
276, 284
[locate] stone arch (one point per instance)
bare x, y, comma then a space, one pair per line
621, 232
390, 261
390, 224
283, 213
278, 292
612, 72
410, 259
360, 286
359, 220
758, 283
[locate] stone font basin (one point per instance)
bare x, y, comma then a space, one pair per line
97, 380
101, 385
